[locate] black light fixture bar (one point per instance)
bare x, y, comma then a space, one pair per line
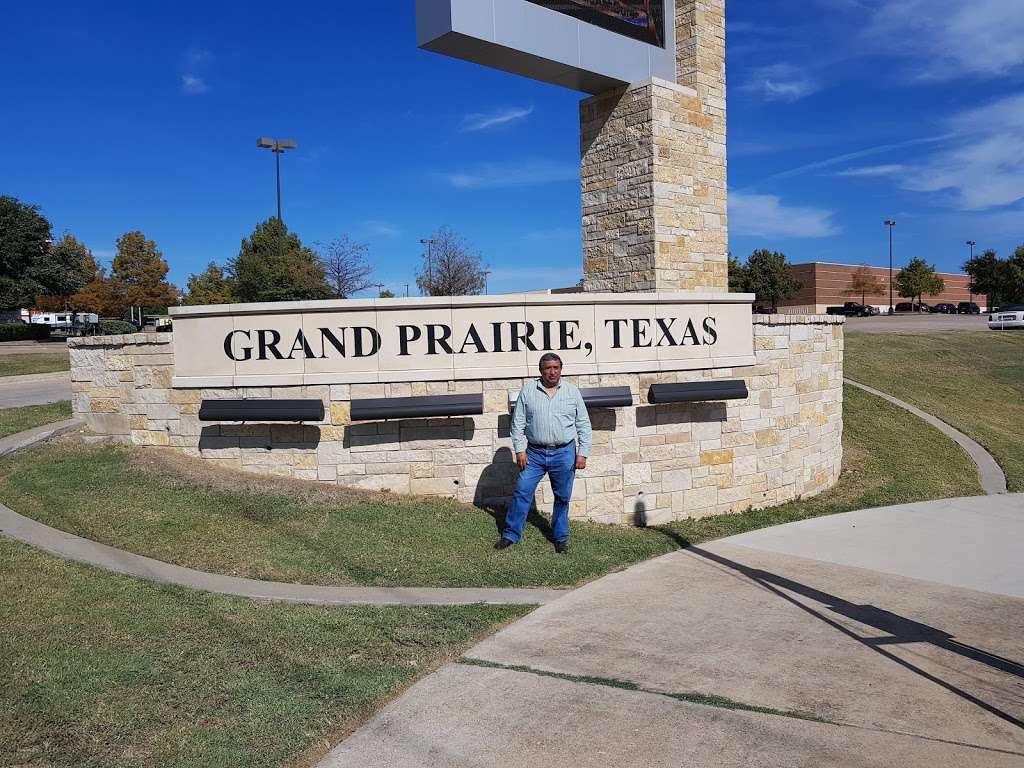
261, 410
729, 389
376, 409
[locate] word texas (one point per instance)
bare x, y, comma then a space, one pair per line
476, 338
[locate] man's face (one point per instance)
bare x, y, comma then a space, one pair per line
551, 373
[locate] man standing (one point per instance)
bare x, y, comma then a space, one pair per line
550, 417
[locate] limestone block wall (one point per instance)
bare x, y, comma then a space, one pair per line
662, 461
653, 176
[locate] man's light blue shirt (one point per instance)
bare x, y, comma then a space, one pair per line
557, 420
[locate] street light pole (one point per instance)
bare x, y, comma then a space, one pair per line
970, 284
486, 272
278, 147
890, 223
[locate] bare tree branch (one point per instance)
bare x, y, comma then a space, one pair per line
345, 265
450, 267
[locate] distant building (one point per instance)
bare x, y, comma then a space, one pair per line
826, 285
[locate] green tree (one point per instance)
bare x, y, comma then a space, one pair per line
768, 276
1014, 286
988, 275
24, 238
386, 294
737, 275
142, 271
64, 269
273, 265
210, 287
919, 278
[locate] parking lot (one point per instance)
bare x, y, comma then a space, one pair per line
916, 323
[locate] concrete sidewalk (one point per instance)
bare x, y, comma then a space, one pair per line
34, 389
746, 654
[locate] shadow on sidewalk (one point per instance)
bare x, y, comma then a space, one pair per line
899, 629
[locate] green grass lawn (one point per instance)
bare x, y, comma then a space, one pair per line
43, 362
974, 381
184, 512
14, 420
102, 671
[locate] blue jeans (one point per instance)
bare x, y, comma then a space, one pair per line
560, 465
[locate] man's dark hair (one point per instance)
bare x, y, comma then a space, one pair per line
548, 356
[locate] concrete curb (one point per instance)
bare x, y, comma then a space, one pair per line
990, 474
35, 378
70, 547
30, 437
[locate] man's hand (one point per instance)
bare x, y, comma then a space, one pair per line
581, 462
521, 460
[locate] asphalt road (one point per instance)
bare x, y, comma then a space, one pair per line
32, 348
35, 389
916, 323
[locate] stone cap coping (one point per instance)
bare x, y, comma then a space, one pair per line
443, 302
799, 319
120, 339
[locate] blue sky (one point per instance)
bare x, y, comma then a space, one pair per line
144, 115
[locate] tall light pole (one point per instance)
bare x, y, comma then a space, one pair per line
890, 223
486, 272
970, 284
278, 147
430, 264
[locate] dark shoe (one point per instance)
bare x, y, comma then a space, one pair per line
561, 547
504, 544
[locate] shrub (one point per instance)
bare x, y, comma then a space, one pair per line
24, 332
114, 327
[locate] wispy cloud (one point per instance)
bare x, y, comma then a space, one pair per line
984, 168
194, 64
483, 121
872, 170
504, 175
375, 228
193, 85
846, 157
780, 82
948, 39
767, 216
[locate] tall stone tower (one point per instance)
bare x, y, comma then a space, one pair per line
653, 170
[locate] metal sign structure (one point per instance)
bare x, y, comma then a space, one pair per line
587, 45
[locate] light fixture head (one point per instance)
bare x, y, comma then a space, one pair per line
287, 144
264, 143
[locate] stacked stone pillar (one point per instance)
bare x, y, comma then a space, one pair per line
653, 170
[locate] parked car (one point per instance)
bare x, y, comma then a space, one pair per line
852, 309
909, 306
922, 307
1010, 316
944, 309
968, 308
761, 309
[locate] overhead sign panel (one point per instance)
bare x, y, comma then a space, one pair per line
642, 20
587, 45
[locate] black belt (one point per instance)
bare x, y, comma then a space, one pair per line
550, 447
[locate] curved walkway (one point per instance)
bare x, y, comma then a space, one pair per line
989, 472
70, 547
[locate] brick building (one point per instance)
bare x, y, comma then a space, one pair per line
826, 285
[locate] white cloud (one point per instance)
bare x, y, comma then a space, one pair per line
872, 170
483, 121
984, 166
526, 174
193, 85
780, 82
951, 38
194, 63
380, 229
767, 216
